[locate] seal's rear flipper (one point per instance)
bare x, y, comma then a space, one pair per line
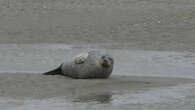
56, 71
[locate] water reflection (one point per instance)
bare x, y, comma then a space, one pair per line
101, 98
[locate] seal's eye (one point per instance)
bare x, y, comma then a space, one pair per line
105, 62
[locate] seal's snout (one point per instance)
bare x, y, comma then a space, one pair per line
106, 61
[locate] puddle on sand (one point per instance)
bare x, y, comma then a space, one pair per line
99, 98
161, 98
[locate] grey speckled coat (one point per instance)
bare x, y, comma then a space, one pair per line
93, 64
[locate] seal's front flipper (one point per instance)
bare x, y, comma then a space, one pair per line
56, 71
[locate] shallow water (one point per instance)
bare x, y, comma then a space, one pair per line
174, 98
32, 91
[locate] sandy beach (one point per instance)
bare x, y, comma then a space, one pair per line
31, 86
21, 91
152, 42
141, 79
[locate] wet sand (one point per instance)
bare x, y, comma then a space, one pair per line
148, 79
29, 27
37, 86
24, 91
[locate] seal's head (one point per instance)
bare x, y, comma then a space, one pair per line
106, 61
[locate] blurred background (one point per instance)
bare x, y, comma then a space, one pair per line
133, 24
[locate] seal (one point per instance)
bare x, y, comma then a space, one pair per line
92, 64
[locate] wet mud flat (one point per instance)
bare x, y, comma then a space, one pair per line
24, 91
162, 25
140, 80
37, 86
